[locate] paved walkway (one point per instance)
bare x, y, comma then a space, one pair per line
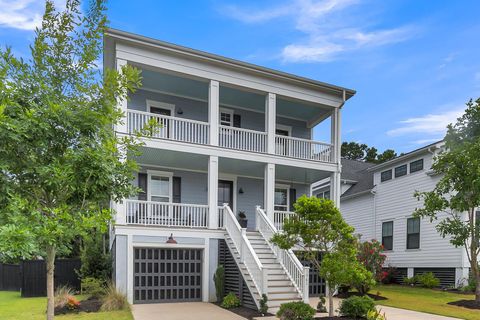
209, 311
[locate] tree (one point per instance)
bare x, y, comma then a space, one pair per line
386, 155
96, 261
456, 196
362, 152
316, 227
60, 160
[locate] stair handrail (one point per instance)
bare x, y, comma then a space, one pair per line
296, 271
248, 257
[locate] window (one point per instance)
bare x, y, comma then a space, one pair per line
413, 233
416, 166
281, 199
160, 188
400, 171
324, 194
226, 117
386, 175
387, 235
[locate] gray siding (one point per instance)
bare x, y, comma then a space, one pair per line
213, 263
121, 263
253, 196
358, 212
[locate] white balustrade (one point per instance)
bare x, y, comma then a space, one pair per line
171, 128
221, 213
303, 149
297, 273
279, 217
242, 139
166, 214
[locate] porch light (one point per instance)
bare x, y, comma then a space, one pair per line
180, 111
170, 239
240, 190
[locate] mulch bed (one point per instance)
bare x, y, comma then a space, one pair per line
88, 305
452, 290
470, 304
246, 312
349, 294
335, 318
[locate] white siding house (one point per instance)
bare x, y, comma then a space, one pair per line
376, 205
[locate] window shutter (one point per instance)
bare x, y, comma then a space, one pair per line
237, 121
177, 190
142, 184
293, 198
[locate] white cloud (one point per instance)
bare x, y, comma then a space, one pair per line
430, 124
328, 32
23, 14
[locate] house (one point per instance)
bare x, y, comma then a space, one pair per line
378, 200
233, 138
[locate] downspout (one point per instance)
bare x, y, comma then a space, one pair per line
374, 193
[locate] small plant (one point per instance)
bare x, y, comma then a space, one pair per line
219, 279
389, 275
72, 303
321, 304
428, 280
61, 296
375, 314
263, 304
242, 215
295, 311
470, 286
356, 307
230, 301
93, 287
114, 300
410, 281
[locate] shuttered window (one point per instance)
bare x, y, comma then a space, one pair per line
413, 233
387, 235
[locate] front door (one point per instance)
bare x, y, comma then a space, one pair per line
225, 193
282, 146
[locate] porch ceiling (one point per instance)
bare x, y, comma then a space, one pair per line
299, 175
172, 159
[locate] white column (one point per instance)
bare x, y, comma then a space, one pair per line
270, 121
120, 209
335, 135
213, 111
122, 103
269, 190
335, 188
213, 192
206, 271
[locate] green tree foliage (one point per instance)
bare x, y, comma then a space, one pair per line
60, 160
318, 226
457, 194
362, 152
96, 261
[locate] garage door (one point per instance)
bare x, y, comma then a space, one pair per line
167, 275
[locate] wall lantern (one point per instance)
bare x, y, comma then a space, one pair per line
170, 239
180, 111
240, 190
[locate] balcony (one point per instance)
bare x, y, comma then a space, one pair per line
197, 132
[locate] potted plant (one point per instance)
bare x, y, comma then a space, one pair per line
242, 219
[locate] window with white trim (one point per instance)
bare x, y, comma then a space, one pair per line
160, 188
387, 235
413, 233
281, 199
226, 117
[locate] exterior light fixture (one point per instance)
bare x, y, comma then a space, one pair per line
170, 239
240, 190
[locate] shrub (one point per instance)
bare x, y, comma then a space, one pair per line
470, 286
321, 304
61, 296
356, 307
72, 303
388, 275
374, 314
219, 279
93, 287
370, 255
410, 281
428, 280
96, 261
114, 299
295, 311
263, 304
362, 279
230, 301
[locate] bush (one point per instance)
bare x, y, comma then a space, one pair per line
93, 287
362, 280
72, 303
428, 280
321, 304
356, 307
370, 255
61, 296
388, 275
230, 301
295, 311
263, 304
470, 286
219, 279
374, 314
410, 281
96, 261
114, 300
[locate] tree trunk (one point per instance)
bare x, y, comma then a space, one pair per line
330, 301
50, 285
477, 290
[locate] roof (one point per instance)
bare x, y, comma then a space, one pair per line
358, 173
407, 155
127, 36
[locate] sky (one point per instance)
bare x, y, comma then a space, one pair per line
414, 64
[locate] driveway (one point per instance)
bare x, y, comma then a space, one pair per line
182, 311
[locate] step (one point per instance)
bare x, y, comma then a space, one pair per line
283, 281
268, 260
289, 295
265, 255
281, 289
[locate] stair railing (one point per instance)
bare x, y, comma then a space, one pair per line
297, 273
248, 257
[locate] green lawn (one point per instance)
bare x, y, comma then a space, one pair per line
13, 307
425, 300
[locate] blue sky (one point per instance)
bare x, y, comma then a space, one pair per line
413, 63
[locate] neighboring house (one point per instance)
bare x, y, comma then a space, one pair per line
234, 137
378, 200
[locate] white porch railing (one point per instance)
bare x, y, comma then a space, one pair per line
242, 139
303, 149
296, 271
170, 128
166, 214
279, 217
221, 213
248, 257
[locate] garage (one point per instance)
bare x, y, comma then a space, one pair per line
167, 275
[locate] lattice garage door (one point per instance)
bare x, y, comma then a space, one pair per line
167, 275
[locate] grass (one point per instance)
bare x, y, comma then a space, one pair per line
425, 300
12, 306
